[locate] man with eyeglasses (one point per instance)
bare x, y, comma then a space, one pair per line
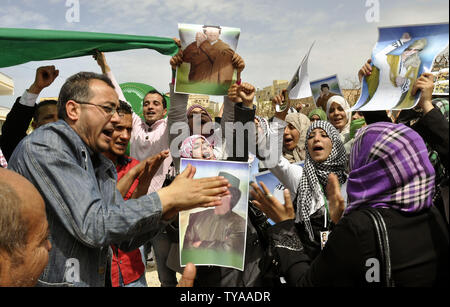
85, 211
149, 136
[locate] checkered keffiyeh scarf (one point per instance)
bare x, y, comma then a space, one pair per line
390, 168
316, 174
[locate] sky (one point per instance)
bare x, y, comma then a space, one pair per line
275, 35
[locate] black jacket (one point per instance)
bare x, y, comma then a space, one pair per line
419, 245
15, 127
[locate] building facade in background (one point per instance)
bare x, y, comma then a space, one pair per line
6, 88
264, 98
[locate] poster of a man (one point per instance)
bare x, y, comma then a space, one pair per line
219, 228
217, 236
323, 89
209, 61
400, 56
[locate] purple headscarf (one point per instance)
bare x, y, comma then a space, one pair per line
390, 168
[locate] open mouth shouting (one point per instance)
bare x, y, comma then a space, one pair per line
288, 141
318, 148
319, 145
319, 153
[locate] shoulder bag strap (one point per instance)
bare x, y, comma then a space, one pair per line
383, 245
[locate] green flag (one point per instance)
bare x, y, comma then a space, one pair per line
18, 46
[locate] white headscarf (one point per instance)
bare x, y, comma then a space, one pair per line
345, 133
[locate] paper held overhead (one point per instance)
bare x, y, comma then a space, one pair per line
399, 58
299, 87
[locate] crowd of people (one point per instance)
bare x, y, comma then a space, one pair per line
369, 188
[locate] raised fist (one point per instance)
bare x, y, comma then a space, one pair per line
45, 76
244, 93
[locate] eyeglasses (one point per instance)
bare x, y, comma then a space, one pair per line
108, 109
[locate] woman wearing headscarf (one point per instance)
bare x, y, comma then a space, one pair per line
317, 114
339, 115
430, 119
325, 154
392, 175
357, 121
197, 147
294, 137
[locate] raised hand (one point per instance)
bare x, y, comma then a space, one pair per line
425, 83
335, 201
45, 76
244, 92
268, 204
233, 93
176, 60
238, 62
365, 71
101, 61
146, 170
177, 41
186, 193
280, 100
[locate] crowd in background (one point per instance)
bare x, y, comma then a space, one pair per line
370, 187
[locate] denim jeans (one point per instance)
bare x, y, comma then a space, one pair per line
141, 282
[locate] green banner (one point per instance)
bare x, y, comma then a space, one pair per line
18, 46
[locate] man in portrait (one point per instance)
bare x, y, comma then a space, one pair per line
220, 228
211, 59
400, 71
325, 94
